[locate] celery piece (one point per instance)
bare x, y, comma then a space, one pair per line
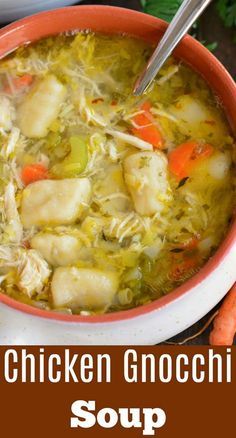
75, 163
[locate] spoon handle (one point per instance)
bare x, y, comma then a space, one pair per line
186, 15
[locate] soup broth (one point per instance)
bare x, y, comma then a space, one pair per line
108, 201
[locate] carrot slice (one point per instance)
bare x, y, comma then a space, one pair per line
34, 172
224, 326
192, 243
98, 100
183, 159
182, 265
19, 83
146, 129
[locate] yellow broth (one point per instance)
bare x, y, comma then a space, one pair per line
99, 213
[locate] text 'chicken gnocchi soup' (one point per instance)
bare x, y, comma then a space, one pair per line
108, 201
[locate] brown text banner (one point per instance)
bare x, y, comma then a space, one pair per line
118, 391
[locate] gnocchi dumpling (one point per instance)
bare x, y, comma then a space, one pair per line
83, 288
219, 165
196, 119
57, 250
41, 107
112, 191
147, 181
54, 202
189, 110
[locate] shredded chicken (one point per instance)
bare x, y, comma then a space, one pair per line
169, 75
30, 270
33, 271
161, 113
12, 141
7, 113
130, 139
13, 222
6, 259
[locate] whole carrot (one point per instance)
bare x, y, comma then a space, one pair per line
224, 326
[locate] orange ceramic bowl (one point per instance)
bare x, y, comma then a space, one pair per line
171, 314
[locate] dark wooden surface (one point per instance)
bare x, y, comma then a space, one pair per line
210, 30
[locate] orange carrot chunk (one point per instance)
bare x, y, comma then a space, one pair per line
34, 172
145, 128
98, 100
224, 326
190, 244
19, 83
183, 265
185, 157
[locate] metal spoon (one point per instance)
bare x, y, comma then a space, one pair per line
187, 14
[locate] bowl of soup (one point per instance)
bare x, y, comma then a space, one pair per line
117, 211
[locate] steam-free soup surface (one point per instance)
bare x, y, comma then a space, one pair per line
108, 201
